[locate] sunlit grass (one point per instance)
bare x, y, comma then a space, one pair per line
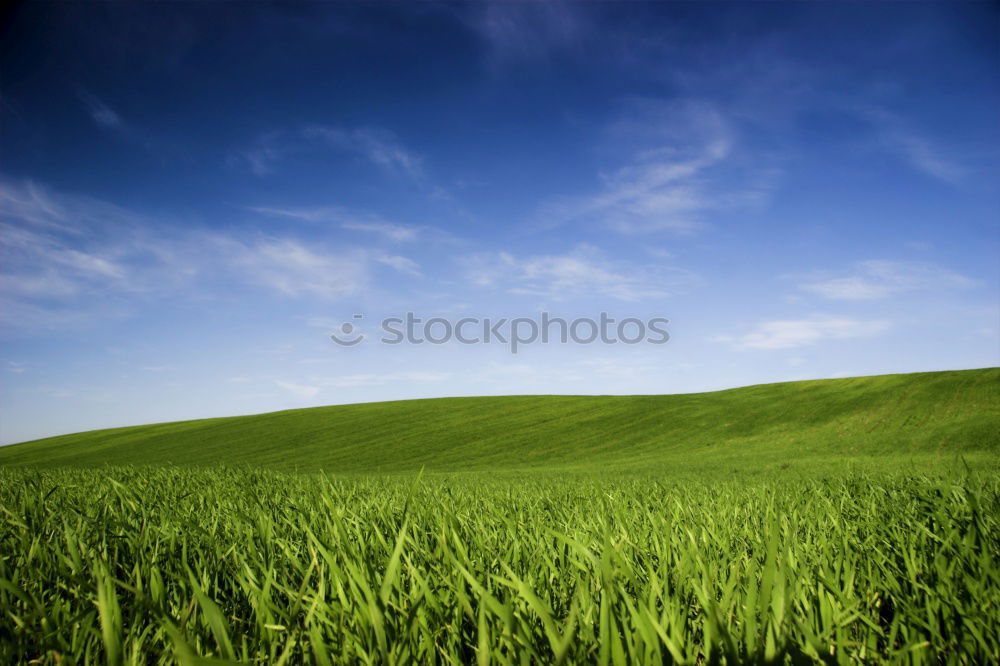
921, 421
147, 565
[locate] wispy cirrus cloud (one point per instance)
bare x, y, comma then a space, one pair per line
923, 156
290, 268
380, 379
346, 219
32, 205
399, 263
304, 391
40, 266
397, 233
897, 136
112, 122
666, 182
518, 32
378, 146
309, 387
880, 279
101, 113
793, 333
60, 248
261, 157
293, 268
583, 272
66, 260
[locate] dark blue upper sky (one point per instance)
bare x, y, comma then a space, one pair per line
193, 193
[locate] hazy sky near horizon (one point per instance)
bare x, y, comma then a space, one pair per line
193, 196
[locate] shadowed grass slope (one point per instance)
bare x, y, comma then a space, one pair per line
926, 420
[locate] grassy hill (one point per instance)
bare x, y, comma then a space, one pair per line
924, 420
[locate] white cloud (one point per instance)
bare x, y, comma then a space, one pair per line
923, 157
793, 333
261, 157
617, 368
659, 253
379, 379
32, 205
299, 390
58, 247
393, 232
101, 113
515, 32
288, 267
919, 152
111, 121
323, 322
72, 261
666, 183
24, 315
399, 263
582, 272
379, 146
87, 263
67, 260
376, 145
345, 219
310, 386
879, 279
853, 288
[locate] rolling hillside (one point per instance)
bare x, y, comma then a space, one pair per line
928, 420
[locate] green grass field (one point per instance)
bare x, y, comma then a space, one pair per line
904, 422
846, 521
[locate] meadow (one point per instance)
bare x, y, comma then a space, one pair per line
777, 543
908, 423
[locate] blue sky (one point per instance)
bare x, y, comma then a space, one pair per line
194, 195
